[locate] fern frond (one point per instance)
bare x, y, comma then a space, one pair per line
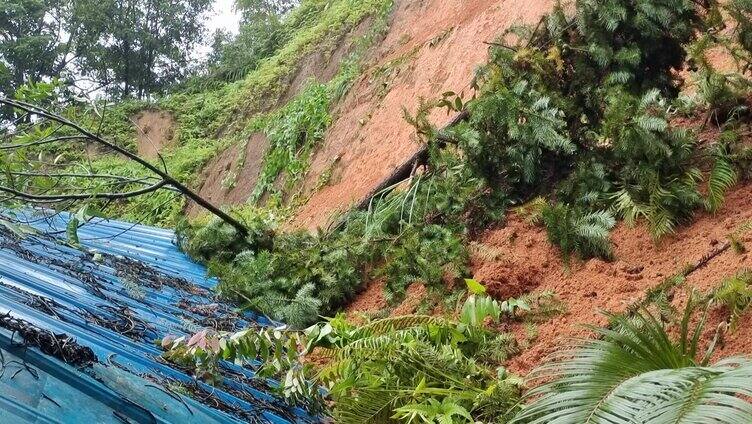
722, 178
392, 324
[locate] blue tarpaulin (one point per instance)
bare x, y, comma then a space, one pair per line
123, 288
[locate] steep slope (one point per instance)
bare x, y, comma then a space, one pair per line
432, 46
243, 162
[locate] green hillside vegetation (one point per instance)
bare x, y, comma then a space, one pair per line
213, 114
596, 149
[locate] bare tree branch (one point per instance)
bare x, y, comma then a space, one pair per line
166, 180
53, 198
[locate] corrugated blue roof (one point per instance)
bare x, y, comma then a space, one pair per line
126, 287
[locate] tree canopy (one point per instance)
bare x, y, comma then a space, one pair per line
128, 48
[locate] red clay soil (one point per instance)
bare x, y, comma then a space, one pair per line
517, 258
593, 286
432, 46
154, 132
217, 175
371, 299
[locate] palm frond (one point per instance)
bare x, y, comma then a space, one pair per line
637, 374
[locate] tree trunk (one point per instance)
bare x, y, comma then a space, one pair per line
403, 171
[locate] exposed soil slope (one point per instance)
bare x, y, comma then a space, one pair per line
432, 46
154, 132
594, 286
517, 258
230, 178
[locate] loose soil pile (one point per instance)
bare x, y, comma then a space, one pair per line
594, 286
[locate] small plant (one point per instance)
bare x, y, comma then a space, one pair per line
735, 294
581, 233
656, 178
432, 255
737, 245
398, 368
532, 211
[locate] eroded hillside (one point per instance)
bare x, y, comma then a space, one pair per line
431, 47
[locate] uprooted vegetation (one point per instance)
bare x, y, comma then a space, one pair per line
585, 115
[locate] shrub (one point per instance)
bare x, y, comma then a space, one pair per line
575, 231
640, 374
399, 368
430, 254
655, 173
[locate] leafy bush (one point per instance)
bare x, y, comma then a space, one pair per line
518, 131
581, 101
300, 279
232, 58
398, 369
431, 255
297, 277
293, 132
637, 43
576, 231
655, 173
210, 238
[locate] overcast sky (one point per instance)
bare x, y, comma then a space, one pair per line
223, 16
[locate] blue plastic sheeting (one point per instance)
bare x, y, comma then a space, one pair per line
104, 297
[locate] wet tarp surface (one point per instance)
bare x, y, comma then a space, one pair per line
78, 325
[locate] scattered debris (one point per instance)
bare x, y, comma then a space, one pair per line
60, 346
123, 321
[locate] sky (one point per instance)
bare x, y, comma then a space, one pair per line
223, 16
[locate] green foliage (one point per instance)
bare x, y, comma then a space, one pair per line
293, 132
579, 102
301, 278
517, 131
656, 177
411, 234
232, 58
427, 254
389, 370
413, 368
576, 231
431, 411
136, 47
212, 116
723, 176
128, 48
212, 239
639, 374
31, 48
296, 277
636, 43
735, 294
275, 348
588, 186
